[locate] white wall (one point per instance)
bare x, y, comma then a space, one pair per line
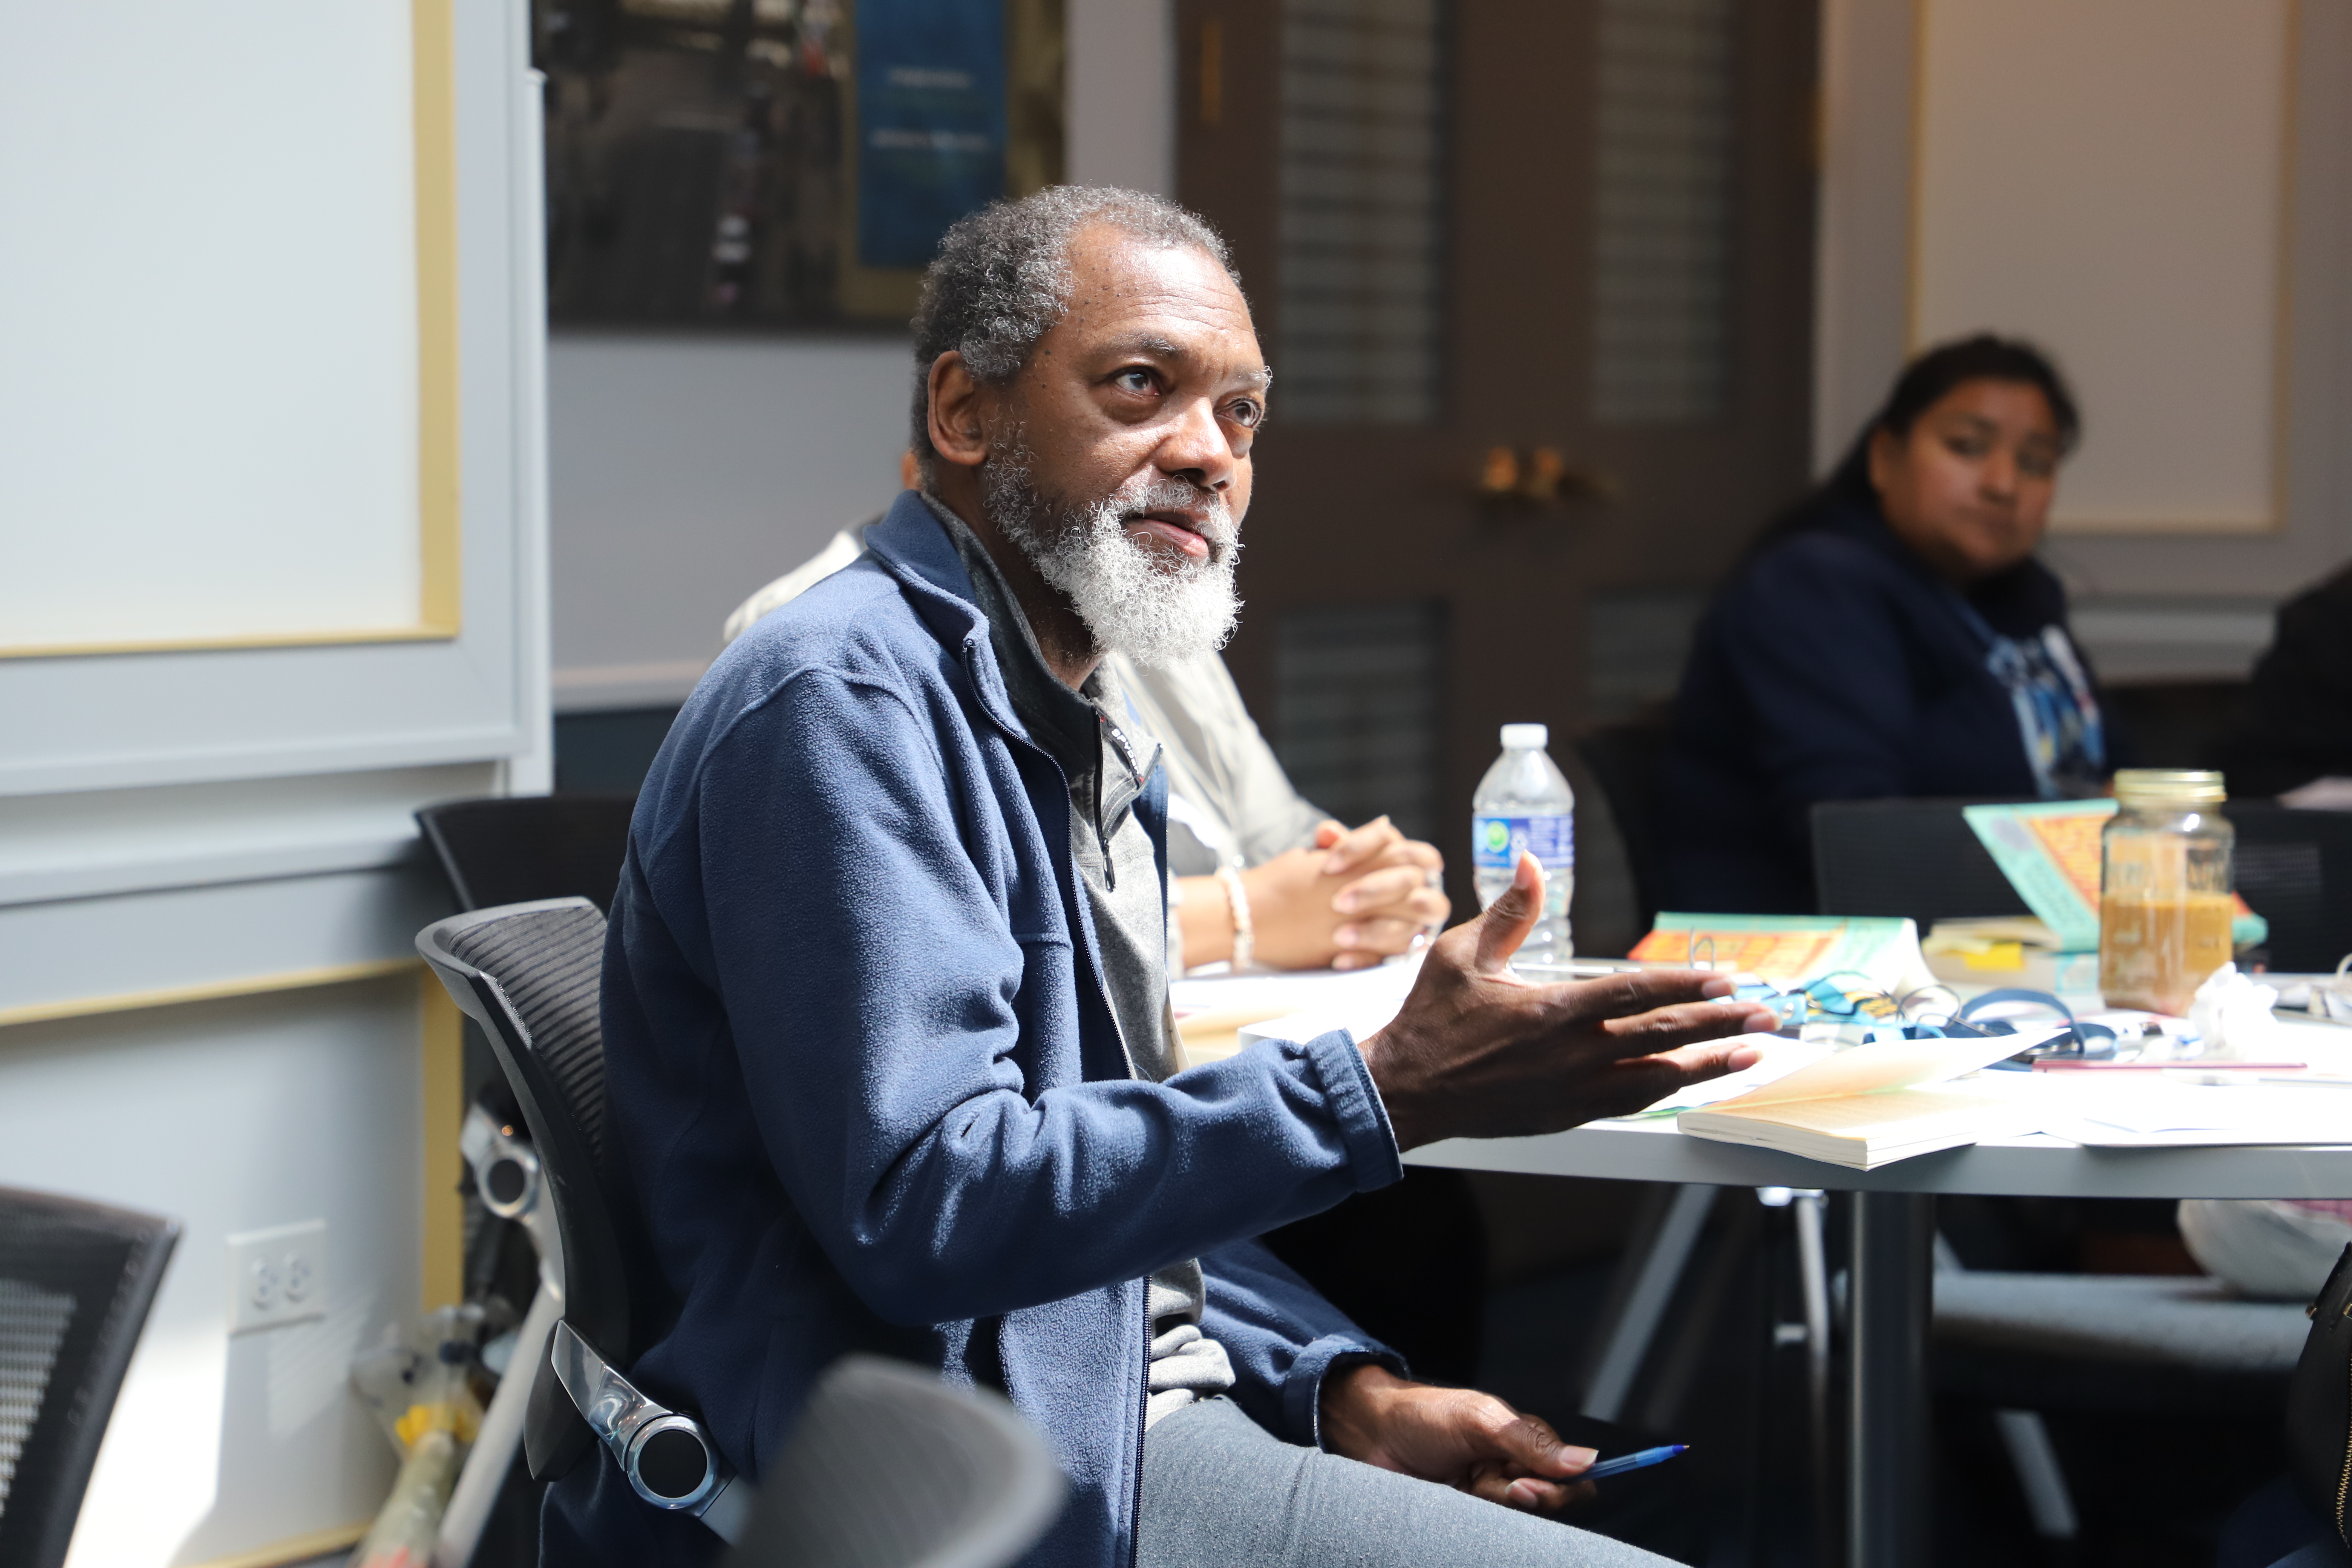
129, 339
686, 471
210, 1003
1121, 94
263, 1110
2142, 146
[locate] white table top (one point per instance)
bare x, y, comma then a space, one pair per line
2036, 1166
1653, 1150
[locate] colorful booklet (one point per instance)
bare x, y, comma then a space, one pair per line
2049, 850
1860, 953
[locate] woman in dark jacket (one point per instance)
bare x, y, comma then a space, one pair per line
1892, 635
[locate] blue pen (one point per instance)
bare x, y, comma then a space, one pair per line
1640, 1461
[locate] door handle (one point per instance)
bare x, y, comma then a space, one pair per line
1541, 476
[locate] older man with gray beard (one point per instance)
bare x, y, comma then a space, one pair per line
888, 1038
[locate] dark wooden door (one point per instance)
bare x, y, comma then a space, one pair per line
1579, 231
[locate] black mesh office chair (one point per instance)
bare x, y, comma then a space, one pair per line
512, 849
2294, 869
76, 1283
506, 850
530, 974
983, 1486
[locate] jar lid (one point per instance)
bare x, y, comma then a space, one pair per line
2169, 786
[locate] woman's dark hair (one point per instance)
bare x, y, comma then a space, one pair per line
1925, 383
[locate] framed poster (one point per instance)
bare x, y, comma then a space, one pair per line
757, 164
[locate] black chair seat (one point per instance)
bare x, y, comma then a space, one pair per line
2132, 1344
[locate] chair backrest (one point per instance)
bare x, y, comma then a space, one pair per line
2294, 869
2177, 723
1914, 857
76, 1283
531, 976
1624, 761
890, 1468
513, 849
1920, 858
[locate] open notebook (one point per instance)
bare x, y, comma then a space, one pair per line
1874, 1104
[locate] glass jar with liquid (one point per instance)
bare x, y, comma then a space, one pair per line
2165, 903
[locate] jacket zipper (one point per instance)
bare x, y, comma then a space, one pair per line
2344, 1482
1143, 1422
1102, 990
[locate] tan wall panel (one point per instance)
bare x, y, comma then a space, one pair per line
2109, 178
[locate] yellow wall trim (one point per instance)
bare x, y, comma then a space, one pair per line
436, 312
426, 631
294, 1548
210, 991
443, 1273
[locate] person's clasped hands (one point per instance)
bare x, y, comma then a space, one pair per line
1359, 896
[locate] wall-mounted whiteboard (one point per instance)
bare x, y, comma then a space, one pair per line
2110, 178
210, 426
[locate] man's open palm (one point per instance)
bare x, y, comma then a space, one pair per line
1476, 1051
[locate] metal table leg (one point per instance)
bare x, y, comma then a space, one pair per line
1626, 1345
1892, 1296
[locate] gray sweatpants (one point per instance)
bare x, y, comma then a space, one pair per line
1219, 1490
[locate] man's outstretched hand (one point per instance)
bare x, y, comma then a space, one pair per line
1458, 1437
1477, 1052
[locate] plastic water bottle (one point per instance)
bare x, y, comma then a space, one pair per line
1524, 803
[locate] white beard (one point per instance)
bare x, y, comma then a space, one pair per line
1130, 596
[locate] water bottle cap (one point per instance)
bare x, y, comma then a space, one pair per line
1519, 737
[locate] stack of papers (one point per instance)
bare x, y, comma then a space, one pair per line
1219, 1015
2188, 1116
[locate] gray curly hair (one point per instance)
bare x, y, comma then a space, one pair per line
1001, 278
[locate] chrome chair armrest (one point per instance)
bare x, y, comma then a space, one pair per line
668, 1456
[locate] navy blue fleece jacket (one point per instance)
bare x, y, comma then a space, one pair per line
868, 1086
1835, 666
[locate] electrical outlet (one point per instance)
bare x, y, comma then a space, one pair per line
277, 1275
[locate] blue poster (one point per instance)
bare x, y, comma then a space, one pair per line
931, 122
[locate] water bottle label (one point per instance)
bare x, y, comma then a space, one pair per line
1496, 841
